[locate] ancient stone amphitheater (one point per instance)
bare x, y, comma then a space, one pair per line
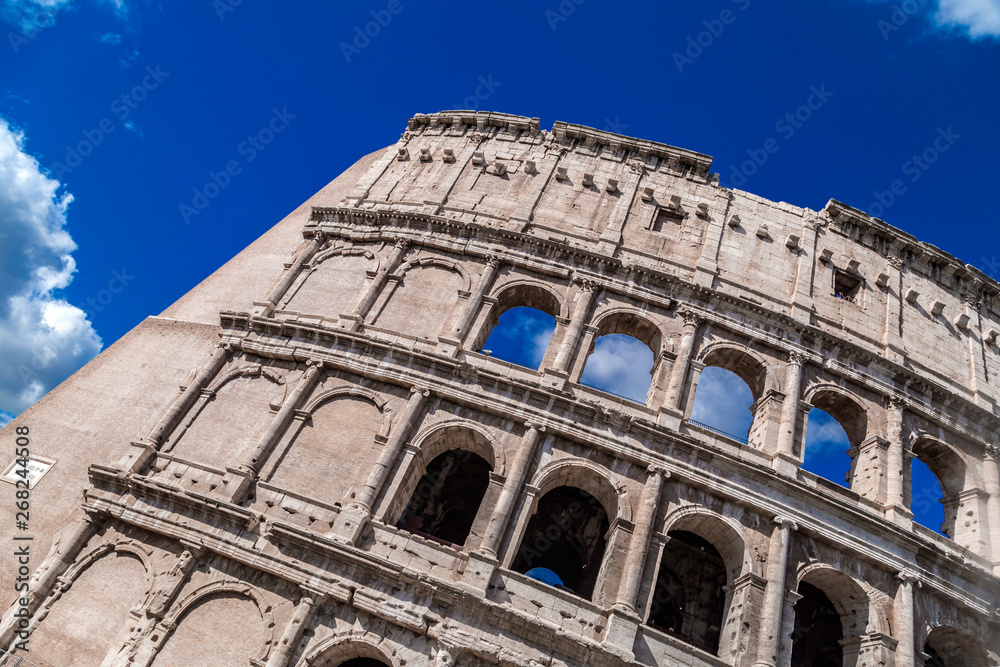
345, 478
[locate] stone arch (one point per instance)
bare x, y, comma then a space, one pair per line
331, 288
530, 293
340, 432
252, 370
945, 461
88, 619
631, 322
849, 597
333, 651
199, 599
744, 363
723, 533
421, 298
590, 477
952, 647
843, 407
446, 482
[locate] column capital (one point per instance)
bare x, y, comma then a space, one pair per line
402, 243
589, 285
785, 522
690, 317
993, 452
423, 391
659, 471
796, 358
535, 426
896, 402
496, 261
909, 577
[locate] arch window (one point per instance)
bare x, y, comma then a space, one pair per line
521, 325
566, 538
818, 630
689, 599
949, 647
835, 428
623, 357
446, 500
724, 403
363, 662
937, 478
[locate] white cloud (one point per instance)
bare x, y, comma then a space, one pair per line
34, 15
134, 129
980, 18
723, 401
43, 338
620, 364
110, 38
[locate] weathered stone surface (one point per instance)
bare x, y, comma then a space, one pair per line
274, 460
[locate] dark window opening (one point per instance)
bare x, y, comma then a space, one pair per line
567, 536
846, 286
667, 219
521, 336
818, 630
363, 662
689, 597
935, 660
446, 500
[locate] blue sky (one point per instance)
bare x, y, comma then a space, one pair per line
115, 114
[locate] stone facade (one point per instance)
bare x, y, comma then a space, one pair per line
344, 478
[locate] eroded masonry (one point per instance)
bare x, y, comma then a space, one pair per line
345, 478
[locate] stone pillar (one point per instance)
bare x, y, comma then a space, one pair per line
283, 653
516, 475
679, 371
377, 283
774, 594
292, 272
251, 463
166, 424
991, 482
64, 551
581, 313
895, 501
628, 587
354, 517
902, 619
790, 407
461, 327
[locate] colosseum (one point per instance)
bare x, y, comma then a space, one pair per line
311, 459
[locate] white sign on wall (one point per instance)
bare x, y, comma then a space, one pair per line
37, 467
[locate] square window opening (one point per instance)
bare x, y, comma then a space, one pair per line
846, 286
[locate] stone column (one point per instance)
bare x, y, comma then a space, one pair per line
292, 272
790, 406
678, 373
895, 502
250, 463
354, 517
283, 653
902, 617
166, 424
991, 481
516, 476
581, 313
628, 587
64, 551
774, 594
379, 281
461, 327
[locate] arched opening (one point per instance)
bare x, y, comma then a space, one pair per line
204, 634
723, 402
445, 501
689, 598
363, 662
949, 647
523, 321
928, 510
835, 429
622, 358
827, 447
521, 336
566, 536
818, 630
937, 477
